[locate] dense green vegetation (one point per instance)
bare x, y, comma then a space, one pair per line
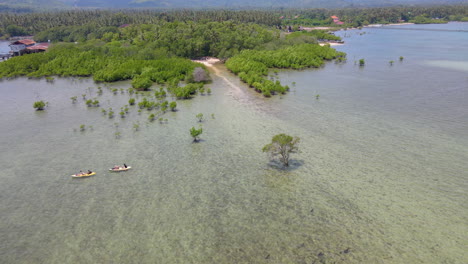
105, 62
154, 46
425, 19
317, 34
99, 20
155, 53
252, 65
356, 17
78, 25
212, 4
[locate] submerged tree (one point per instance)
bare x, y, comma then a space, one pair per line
39, 105
195, 133
282, 145
200, 117
173, 105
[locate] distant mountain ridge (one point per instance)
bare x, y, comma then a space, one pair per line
227, 4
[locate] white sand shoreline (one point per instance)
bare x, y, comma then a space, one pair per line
330, 43
394, 24
208, 61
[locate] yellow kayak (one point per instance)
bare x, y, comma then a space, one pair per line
121, 168
79, 175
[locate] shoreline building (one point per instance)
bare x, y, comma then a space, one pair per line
19, 47
26, 46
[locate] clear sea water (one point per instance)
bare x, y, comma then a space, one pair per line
381, 176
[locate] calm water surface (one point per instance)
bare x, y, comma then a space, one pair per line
4, 48
381, 176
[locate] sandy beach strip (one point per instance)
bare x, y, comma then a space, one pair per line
383, 25
319, 28
330, 43
208, 61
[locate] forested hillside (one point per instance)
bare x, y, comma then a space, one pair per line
26, 6
12, 24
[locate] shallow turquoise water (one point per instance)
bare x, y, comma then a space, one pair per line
381, 176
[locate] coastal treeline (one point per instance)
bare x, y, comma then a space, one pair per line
356, 17
252, 66
160, 53
35, 22
105, 62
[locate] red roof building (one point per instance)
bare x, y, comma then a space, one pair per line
19, 46
38, 47
336, 20
27, 42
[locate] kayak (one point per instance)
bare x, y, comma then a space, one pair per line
83, 175
121, 169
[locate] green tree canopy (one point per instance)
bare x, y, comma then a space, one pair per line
195, 133
282, 145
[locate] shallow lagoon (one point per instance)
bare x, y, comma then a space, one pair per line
381, 176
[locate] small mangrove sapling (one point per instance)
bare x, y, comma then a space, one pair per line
199, 116
39, 105
195, 133
362, 62
173, 106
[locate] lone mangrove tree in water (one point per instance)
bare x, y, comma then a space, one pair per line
39, 105
195, 133
282, 145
